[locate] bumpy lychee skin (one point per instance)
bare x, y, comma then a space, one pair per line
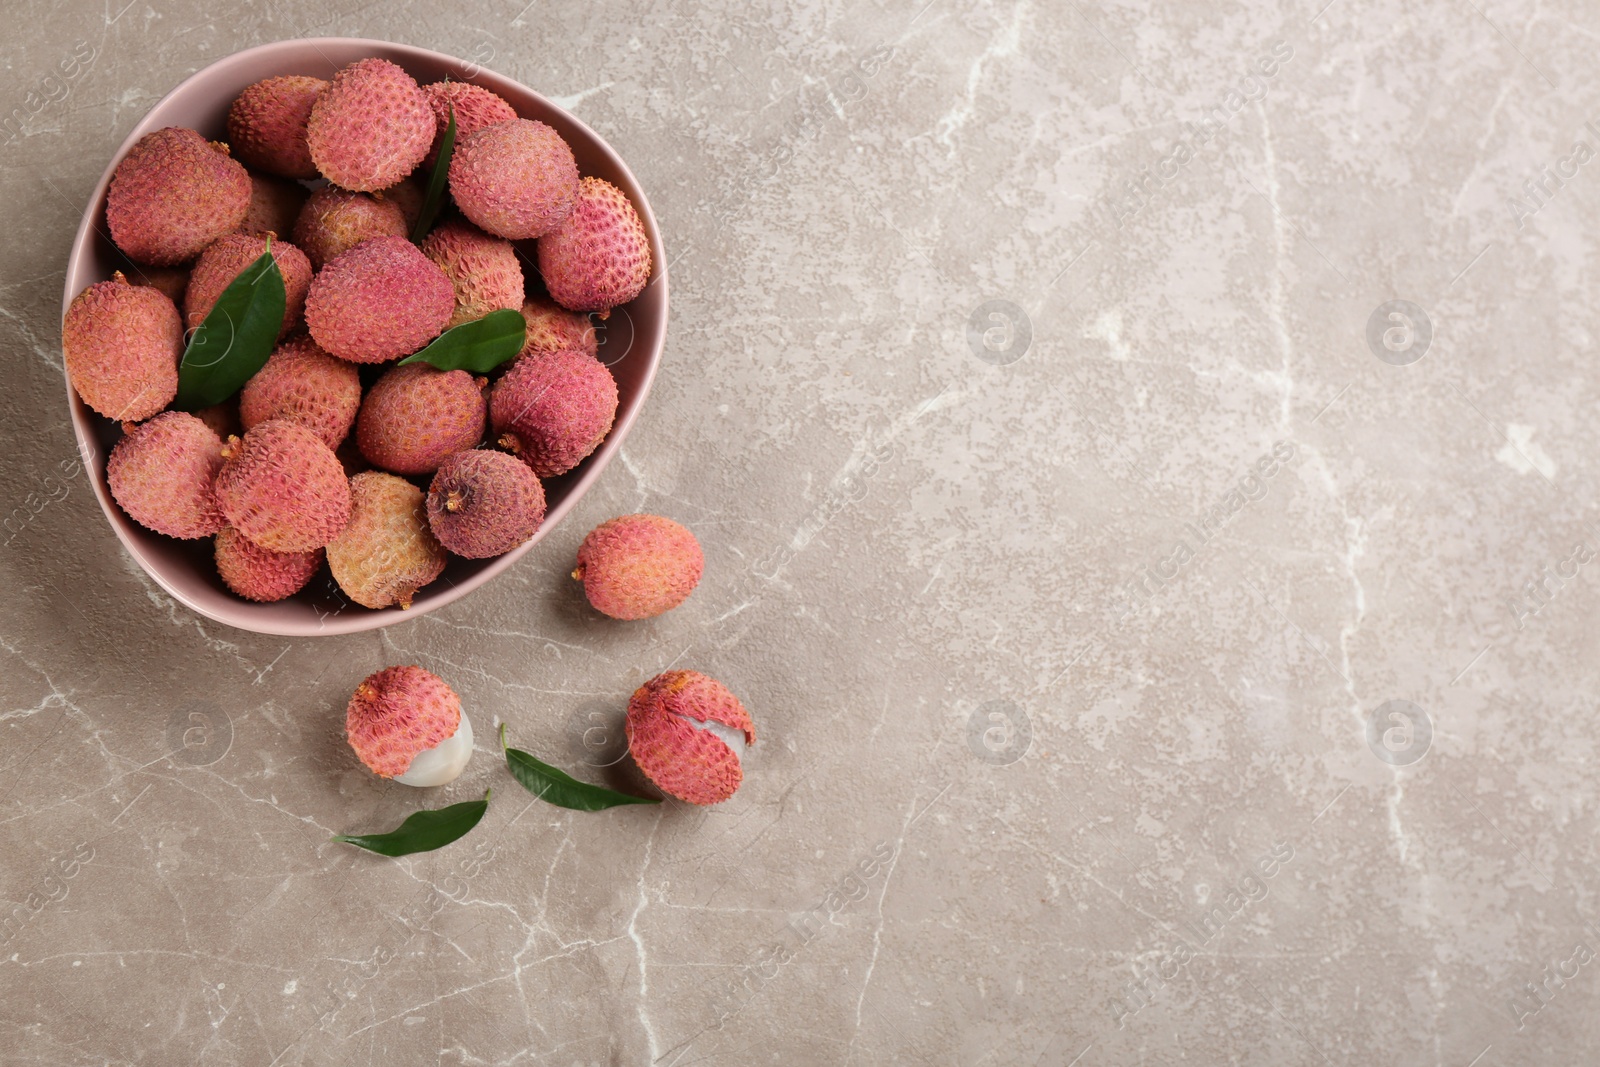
553, 409
274, 205
482, 503
267, 125
260, 574
122, 344
387, 552
600, 256
161, 474
483, 270
283, 488
173, 281
397, 714
639, 566
416, 415
335, 220
173, 194
302, 383
371, 127
406, 195
223, 418
475, 107
671, 744
381, 299
515, 179
552, 328
221, 263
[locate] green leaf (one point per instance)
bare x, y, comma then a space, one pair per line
423, 831
559, 787
436, 181
236, 337
478, 346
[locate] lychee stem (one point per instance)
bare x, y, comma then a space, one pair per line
452, 501
578, 572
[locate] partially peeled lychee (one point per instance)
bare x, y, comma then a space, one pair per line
687, 733
405, 723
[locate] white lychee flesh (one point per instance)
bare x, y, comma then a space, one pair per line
442, 763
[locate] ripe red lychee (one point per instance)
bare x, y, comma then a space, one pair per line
599, 257
161, 473
405, 723
638, 566
685, 732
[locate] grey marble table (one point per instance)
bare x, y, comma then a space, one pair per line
1145, 460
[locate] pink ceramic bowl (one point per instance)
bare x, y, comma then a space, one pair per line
631, 346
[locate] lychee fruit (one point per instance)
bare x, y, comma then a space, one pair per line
370, 127
261, 574
638, 566
225, 259
405, 723
173, 194
599, 257
223, 418
380, 300
274, 205
122, 344
335, 220
482, 503
406, 195
475, 107
553, 409
161, 473
687, 733
267, 125
515, 179
483, 270
173, 281
282, 487
387, 552
302, 383
416, 415
552, 327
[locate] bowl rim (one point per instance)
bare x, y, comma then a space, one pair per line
346, 622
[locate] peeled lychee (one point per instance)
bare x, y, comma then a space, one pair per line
283, 488
482, 503
387, 552
173, 194
221, 263
553, 409
334, 220
638, 566
600, 255
267, 125
687, 734
416, 415
161, 474
274, 205
405, 723
475, 107
552, 327
302, 383
483, 270
260, 574
380, 300
515, 179
370, 127
122, 343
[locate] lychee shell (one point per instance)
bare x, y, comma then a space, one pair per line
302, 383
161, 473
334, 220
639, 566
482, 503
267, 125
173, 194
370, 127
483, 270
274, 205
515, 179
283, 488
553, 409
397, 714
475, 107
691, 764
416, 415
387, 552
552, 327
379, 300
599, 257
121, 344
260, 574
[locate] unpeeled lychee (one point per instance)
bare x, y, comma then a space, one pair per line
639, 566
370, 127
553, 409
173, 194
381, 299
475, 107
682, 731
274, 205
302, 383
482, 503
121, 344
260, 574
416, 415
267, 125
173, 281
335, 220
387, 552
283, 488
515, 179
483, 270
599, 257
405, 723
408, 196
161, 474
228, 257
552, 327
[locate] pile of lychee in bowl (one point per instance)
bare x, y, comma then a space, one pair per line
344, 482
